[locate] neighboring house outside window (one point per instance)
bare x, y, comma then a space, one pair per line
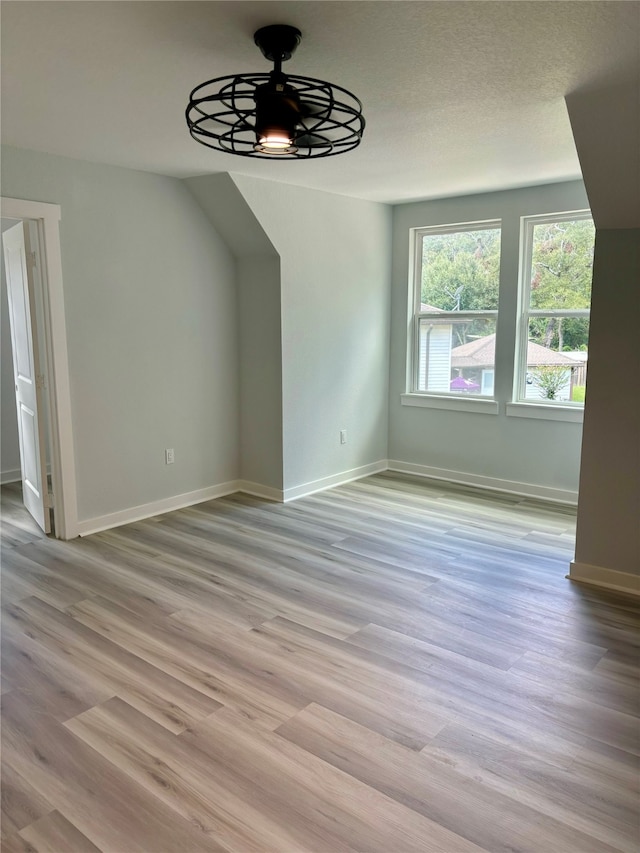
475, 361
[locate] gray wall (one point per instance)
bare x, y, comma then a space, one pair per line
608, 534
260, 349
521, 450
158, 357
261, 460
606, 128
334, 268
151, 312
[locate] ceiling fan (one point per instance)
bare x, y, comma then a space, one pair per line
274, 114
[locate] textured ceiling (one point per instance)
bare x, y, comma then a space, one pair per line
459, 96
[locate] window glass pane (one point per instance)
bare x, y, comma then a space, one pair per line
557, 359
561, 264
460, 271
456, 357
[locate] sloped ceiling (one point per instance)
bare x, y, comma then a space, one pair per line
606, 127
459, 96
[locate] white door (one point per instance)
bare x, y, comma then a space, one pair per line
19, 261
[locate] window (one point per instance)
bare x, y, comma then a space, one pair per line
555, 295
456, 275
455, 310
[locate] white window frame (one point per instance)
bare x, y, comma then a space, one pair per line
449, 400
520, 406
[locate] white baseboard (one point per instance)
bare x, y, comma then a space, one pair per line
14, 475
527, 490
138, 513
606, 578
260, 491
334, 480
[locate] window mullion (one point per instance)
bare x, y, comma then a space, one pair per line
558, 312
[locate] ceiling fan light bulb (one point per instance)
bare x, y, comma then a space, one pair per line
275, 143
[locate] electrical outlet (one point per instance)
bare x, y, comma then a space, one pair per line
343, 436
169, 456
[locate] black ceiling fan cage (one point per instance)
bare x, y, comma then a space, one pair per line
323, 119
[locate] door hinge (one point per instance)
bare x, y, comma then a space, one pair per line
31, 258
40, 381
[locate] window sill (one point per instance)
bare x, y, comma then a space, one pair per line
570, 414
455, 404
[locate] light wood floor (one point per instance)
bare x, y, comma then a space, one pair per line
388, 666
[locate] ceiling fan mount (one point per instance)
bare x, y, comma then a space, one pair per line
277, 41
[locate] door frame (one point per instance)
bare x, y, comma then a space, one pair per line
56, 365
